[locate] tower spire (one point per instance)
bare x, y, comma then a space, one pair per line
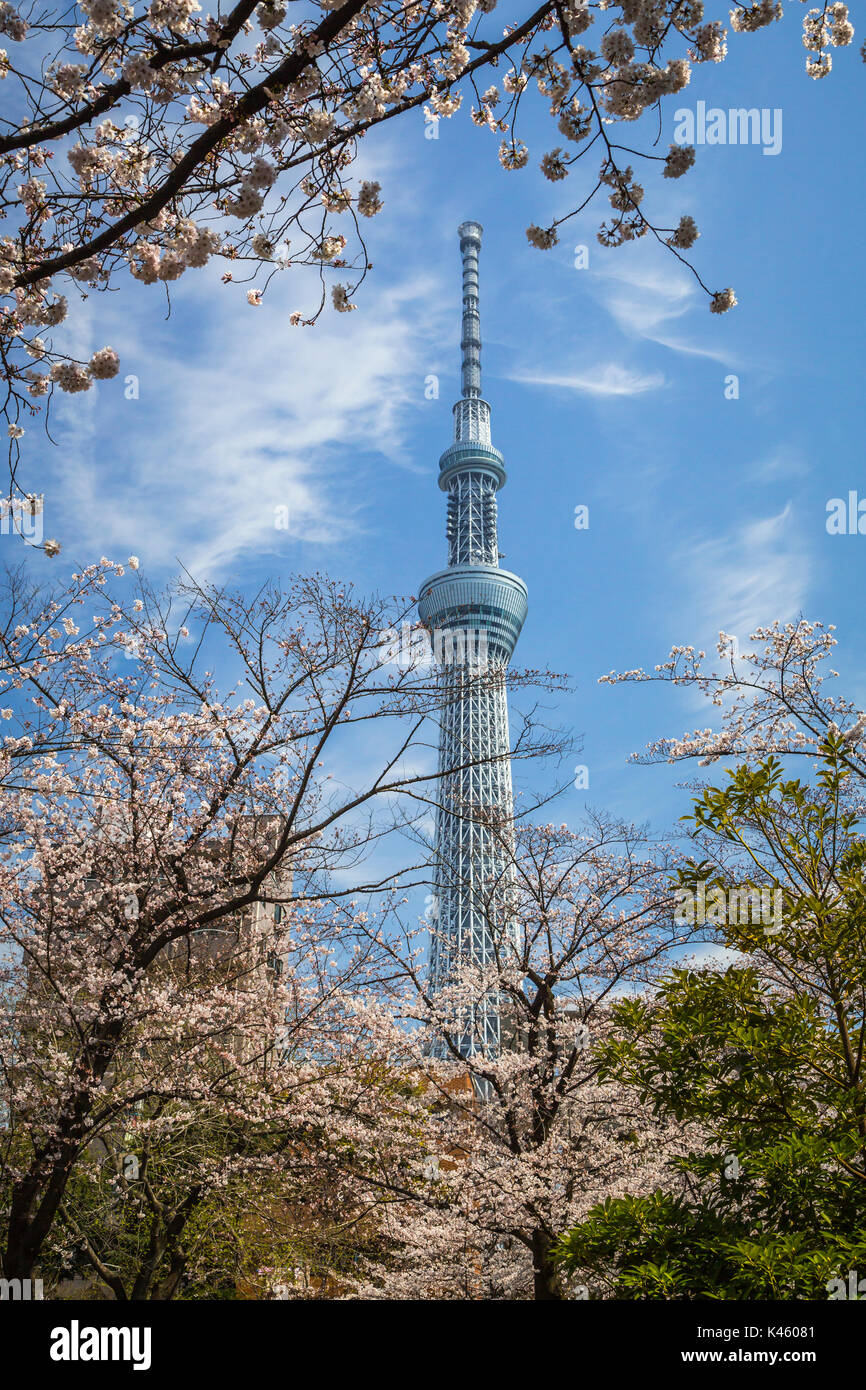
471, 413
470, 340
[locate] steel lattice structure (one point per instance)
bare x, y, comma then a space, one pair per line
474, 611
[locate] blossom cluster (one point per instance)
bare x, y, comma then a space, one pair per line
153, 140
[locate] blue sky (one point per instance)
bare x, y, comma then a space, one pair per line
607, 389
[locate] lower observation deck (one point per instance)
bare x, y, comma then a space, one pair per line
476, 598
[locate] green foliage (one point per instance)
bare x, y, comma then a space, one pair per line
671, 1247
764, 1060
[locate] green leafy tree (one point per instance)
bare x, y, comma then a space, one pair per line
764, 1055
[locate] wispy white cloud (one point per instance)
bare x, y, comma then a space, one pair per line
250, 416
784, 461
647, 300
612, 379
748, 577
714, 354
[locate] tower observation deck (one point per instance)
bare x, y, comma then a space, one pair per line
474, 612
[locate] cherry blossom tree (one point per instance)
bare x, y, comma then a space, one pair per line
216, 1176
506, 1150
145, 811
771, 699
148, 139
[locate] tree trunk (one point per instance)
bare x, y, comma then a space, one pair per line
547, 1284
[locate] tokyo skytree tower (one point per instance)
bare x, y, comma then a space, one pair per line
474, 612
